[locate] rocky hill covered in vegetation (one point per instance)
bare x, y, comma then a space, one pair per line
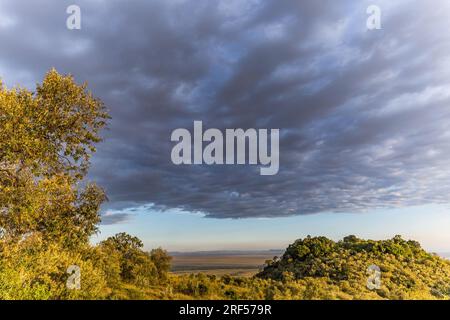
348, 268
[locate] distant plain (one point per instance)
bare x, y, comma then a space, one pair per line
234, 263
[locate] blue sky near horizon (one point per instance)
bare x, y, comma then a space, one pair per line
175, 231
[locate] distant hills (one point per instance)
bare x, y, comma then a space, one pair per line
275, 252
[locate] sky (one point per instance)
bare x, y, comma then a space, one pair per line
178, 231
363, 114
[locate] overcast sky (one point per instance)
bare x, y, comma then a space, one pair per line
364, 115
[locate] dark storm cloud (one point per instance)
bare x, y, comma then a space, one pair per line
364, 115
114, 218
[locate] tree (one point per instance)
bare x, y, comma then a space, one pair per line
124, 243
162, 260
136, 266
46, 140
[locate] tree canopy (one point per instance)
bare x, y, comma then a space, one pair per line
46, 140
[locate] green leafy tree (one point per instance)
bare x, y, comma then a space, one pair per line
136, 266
46, 218
46, 140
162, 260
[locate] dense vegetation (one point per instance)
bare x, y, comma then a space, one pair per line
48, 212
406, 270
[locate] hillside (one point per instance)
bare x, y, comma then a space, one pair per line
341, 268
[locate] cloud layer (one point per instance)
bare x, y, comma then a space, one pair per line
364, 115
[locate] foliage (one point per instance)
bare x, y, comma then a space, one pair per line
407, 271
136, 265
35, 269
46, 140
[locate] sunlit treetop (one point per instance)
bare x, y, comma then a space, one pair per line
52, 130
46, 140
